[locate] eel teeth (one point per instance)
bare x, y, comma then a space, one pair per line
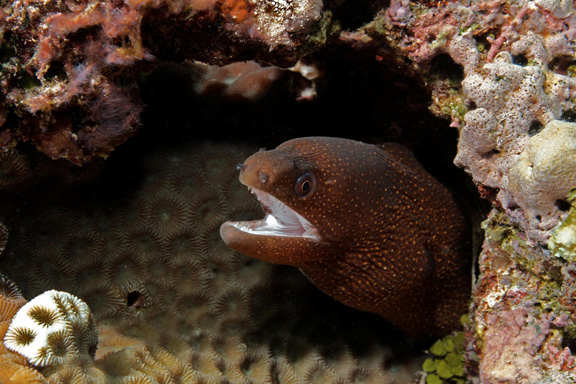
280, 220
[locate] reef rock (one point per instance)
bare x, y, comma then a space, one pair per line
502, 72
70, 70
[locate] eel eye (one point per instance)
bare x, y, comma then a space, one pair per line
305, 185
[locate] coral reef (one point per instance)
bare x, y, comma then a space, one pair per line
508, 94
14, 170
501, 71
171, 301
521, 316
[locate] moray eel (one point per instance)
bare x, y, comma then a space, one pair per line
366, 224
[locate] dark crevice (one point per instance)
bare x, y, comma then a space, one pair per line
569, 116
561, 64
520, 60
568, 341
482, 40
535, 128
354, 14
134, 300
56, 71
491, 153
446, 68
562, 205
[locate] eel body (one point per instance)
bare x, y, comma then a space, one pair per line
367, 225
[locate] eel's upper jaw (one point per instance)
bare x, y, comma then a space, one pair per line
280, 220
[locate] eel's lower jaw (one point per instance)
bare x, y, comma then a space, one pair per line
280, 221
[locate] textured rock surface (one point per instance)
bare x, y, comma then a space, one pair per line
544, 172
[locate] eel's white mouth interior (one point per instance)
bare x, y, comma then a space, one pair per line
280, 220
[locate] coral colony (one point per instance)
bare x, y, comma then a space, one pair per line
130, 282
52, 328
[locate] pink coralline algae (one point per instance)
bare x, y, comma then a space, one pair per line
511, 342
61, 84
520, 316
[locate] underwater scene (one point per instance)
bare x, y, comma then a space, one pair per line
287, 191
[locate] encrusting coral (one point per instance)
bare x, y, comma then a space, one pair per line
172, 303
509, 91
14, 169
544, 172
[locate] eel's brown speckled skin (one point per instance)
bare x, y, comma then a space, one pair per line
393, 239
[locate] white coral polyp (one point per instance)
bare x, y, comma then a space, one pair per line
45, 330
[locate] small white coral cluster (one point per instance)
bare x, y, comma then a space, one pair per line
53, 328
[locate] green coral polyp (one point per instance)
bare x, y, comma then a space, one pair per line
562, 244
447, 362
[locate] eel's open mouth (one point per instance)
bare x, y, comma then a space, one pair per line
280, 220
